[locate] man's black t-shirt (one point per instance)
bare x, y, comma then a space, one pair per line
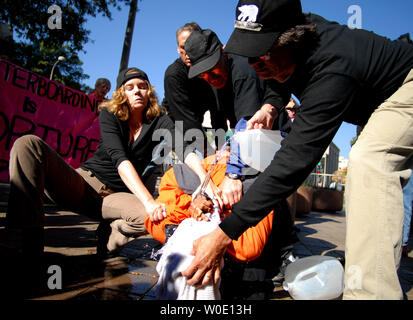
244, 92
187, 99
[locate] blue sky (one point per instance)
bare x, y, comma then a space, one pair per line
154, 46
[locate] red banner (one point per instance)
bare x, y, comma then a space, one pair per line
65, 118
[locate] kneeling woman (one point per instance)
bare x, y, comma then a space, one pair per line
109, 185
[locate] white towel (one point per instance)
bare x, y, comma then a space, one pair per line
176, 258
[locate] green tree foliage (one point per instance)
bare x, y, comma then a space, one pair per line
36, 47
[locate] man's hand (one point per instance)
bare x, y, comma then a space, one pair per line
231, 191
263, 118
208, 251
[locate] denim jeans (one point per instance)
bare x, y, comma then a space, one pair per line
407, 200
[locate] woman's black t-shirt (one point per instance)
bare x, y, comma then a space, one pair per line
115, 147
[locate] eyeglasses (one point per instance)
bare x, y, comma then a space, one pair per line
265, 57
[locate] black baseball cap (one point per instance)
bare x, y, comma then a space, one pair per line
204, 50
130, 73
259, 23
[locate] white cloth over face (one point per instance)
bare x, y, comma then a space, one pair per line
176, 258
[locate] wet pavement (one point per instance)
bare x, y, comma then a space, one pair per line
71, 252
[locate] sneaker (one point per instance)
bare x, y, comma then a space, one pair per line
279, 277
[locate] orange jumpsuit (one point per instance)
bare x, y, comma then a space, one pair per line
248, 246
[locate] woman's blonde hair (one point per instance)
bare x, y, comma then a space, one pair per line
119, 106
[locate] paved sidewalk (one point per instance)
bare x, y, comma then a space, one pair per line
71, 245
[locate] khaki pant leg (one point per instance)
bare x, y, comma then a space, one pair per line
374, 201
127, 208
36, 168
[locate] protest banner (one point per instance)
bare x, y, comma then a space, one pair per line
65, 118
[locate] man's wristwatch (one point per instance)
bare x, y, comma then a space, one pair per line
234, 176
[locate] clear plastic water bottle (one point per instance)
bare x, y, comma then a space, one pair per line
314, 278
258, 146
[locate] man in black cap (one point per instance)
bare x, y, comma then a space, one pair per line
186, 99
240, 92
339, 75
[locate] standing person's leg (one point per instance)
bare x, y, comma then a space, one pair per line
374, 200
34, 169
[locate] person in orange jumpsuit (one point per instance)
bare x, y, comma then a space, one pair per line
179, 206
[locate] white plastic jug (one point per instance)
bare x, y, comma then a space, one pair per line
258, 146
314, 278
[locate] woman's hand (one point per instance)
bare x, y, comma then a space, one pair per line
199, 205
130, 177
155, 210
